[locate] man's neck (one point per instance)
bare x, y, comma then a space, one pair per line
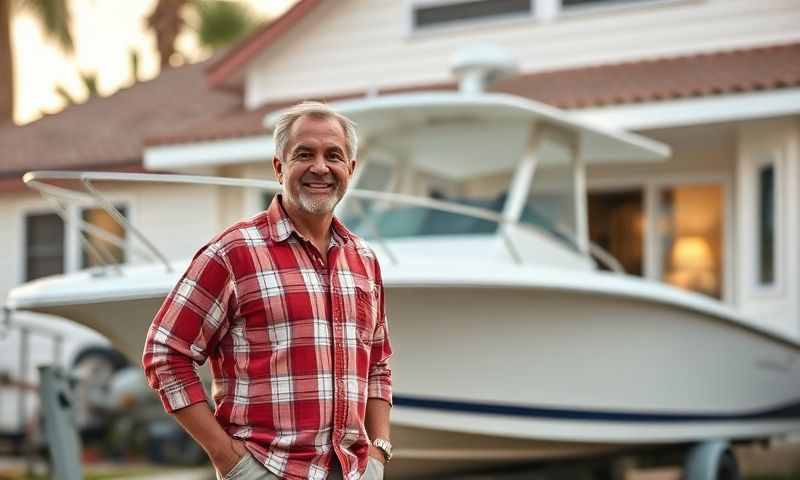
315, 228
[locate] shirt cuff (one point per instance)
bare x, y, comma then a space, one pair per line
176, 397
380, 386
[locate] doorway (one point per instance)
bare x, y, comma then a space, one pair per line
616, 224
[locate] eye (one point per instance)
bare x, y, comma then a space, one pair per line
302, 155
335, 156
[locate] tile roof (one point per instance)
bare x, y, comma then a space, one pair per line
707, 74
233, 124
108, 132
698, 75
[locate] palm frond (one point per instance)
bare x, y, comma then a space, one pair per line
55, 18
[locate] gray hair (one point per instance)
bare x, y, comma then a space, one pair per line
315, 109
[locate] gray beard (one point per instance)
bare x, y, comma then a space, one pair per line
314, 206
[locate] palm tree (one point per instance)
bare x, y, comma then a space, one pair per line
217, 23
166, 22
54, 17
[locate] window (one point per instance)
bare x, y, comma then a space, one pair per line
48, 251
766, 225
691, 237
44, 245
551, 200
579, 3
442, 14
102, 233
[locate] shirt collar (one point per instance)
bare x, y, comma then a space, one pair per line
281, 227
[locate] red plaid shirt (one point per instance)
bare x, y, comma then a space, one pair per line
296, 347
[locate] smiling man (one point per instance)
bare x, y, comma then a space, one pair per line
288, 307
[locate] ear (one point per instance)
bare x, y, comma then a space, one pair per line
352, 164
277, 168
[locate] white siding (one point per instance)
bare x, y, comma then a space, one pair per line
354, 45
776, 307
177, 219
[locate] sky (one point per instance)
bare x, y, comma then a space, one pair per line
105, 31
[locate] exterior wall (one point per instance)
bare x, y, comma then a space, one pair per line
239, 203
177, 219
778, 141
356, 45
730, 154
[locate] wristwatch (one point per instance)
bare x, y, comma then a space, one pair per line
384, 446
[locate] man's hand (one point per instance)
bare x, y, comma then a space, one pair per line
228, 456
377, 453
224, 451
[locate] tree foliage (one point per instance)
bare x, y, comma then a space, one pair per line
221, 23
217, 23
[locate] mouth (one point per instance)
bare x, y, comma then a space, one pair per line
321, 187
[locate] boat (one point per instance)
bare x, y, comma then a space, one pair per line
517, 340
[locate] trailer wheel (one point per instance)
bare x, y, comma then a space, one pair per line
94, 366
712, 460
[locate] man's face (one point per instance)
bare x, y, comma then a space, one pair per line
316, 170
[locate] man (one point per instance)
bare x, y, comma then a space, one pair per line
288, 305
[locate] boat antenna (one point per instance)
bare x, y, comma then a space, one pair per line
479, 66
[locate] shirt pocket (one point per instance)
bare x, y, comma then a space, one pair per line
366, 293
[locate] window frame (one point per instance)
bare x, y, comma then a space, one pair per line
126, 251
613, 7
542, 11
414, 31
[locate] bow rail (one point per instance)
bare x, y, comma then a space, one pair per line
43, 182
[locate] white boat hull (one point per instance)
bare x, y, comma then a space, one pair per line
566, 366
528, 365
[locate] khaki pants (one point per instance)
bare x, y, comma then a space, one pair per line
248, 468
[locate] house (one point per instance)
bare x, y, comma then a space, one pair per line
716, 80
101, 134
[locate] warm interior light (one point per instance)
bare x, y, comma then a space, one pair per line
693, 265
692, 253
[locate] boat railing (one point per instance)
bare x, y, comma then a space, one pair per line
51, 185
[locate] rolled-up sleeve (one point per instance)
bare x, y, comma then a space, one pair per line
380, 374
189, 324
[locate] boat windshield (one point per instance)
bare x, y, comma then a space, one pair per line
549, 206
368, 218
551, 198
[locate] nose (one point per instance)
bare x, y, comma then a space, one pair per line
320, 166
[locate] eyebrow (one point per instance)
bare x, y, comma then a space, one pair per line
300, 147
306, 148
336, 148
